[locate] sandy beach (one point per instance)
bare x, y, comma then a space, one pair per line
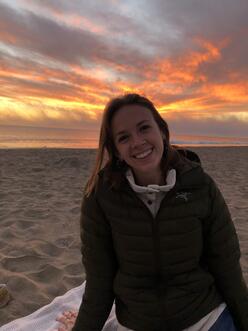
40, 197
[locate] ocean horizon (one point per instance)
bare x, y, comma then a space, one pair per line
93, 144
33, 137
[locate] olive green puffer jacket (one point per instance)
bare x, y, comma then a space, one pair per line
166, 273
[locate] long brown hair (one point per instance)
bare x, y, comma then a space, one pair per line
106, 154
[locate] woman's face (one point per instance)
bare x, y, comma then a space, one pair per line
138, 139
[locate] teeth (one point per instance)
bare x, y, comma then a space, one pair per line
143, 155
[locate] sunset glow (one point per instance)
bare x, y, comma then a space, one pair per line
60, 64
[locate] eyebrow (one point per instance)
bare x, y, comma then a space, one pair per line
138, 124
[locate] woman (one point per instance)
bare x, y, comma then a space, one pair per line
157, 236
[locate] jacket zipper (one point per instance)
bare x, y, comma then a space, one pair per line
156, 243
155, 234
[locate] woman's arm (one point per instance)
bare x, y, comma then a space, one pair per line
222, 253
100, 265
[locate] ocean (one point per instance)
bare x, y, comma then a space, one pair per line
37, 137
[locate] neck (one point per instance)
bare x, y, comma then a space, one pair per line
149, 179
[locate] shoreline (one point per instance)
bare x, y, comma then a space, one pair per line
95, 148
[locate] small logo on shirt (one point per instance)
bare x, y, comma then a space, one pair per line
183, 195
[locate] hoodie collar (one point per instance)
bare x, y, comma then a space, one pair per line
170, 180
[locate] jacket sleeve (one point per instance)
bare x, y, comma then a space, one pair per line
100, 265
223, 253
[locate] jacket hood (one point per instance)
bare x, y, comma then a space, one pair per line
190, 155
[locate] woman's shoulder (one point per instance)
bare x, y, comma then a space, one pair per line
185, 160
188, 154
104, 186
190, 169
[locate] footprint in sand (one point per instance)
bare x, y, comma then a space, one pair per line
22, 263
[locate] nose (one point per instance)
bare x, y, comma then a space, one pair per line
137, 141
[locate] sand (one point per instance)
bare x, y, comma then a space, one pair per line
40, 197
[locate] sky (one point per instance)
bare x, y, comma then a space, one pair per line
61, 61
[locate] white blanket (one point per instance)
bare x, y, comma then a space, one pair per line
44, 319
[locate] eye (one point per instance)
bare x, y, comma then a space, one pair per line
123, 139
144, 127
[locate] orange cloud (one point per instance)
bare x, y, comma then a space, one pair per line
176, 85
229, 92
184, 69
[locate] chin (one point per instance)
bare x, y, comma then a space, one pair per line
147, 168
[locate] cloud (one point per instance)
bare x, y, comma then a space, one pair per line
61, 62
63, 43
221, 23
210, 19
42, 81
231, 127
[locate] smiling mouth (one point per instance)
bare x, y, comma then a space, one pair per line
144, 154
